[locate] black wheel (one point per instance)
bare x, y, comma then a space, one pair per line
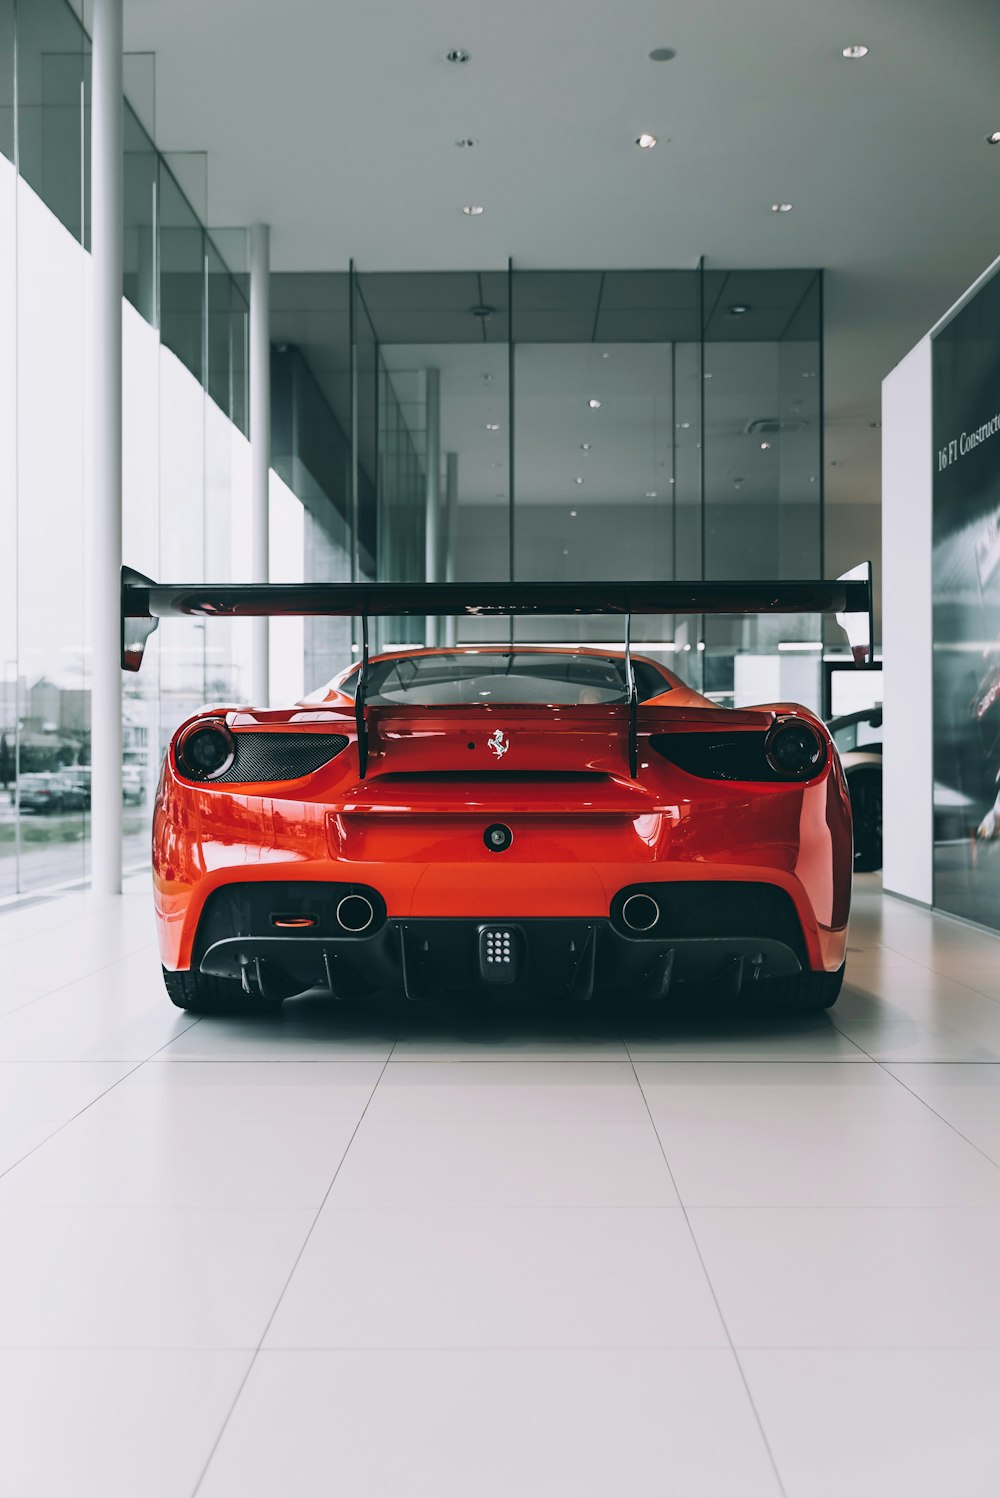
201, 993
865, 787
806, 992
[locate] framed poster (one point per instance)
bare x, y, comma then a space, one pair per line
966, 609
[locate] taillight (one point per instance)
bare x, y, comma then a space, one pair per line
794, 749
205, 751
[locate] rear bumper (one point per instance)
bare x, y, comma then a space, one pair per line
280, 939
562, 864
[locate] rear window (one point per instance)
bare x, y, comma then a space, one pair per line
505, 677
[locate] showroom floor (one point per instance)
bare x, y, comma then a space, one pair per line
344, 1253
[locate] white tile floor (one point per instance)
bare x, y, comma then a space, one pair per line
351, 1253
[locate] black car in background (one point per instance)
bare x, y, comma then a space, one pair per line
49, 792
858, 737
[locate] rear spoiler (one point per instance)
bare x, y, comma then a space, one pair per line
145, 603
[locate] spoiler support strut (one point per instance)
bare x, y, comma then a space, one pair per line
633, 702
360, 700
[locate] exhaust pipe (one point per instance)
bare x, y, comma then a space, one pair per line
640, 912
355, 913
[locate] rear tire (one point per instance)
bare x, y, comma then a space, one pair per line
202, 993
807, 992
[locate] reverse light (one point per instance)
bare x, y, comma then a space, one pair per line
205, 751
794, 749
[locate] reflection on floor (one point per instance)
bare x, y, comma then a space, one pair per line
351, 1253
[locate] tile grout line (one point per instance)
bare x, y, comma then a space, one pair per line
298, 1259
711, 1288
77, 978
87, 1106
883, 1066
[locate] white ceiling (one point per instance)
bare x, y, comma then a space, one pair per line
336, 124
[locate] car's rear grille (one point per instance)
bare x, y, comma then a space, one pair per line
280, 756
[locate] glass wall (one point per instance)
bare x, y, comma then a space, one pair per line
643, 424
185, 456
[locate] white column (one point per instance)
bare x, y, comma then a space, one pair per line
260, 448
450, 530
106, 446
907, 628
433, 459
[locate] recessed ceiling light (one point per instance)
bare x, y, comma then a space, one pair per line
493, 426
585, 447
738, 309
578, 480
650, 493
764, 446
482, 310
456, 54
683, 425
487, 379
994, 139
605, 356
875, 424
465, 144
706, 376
645, 142
594, 405
781, 207
572, 514
474, 209
662, 54
858, 50
565, 551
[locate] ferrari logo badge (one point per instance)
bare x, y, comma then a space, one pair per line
499, 744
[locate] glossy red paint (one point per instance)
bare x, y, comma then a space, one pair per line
413, 828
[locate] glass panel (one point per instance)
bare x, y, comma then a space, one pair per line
141, 550
7, 122
12, 685
365, 438
181, 261
52, 544
139, 205
53, 71
184, 665
311, 458
443, 459
229, 322
762, 439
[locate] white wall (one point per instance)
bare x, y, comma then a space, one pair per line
907, 796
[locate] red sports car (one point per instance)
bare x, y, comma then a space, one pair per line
566, 821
